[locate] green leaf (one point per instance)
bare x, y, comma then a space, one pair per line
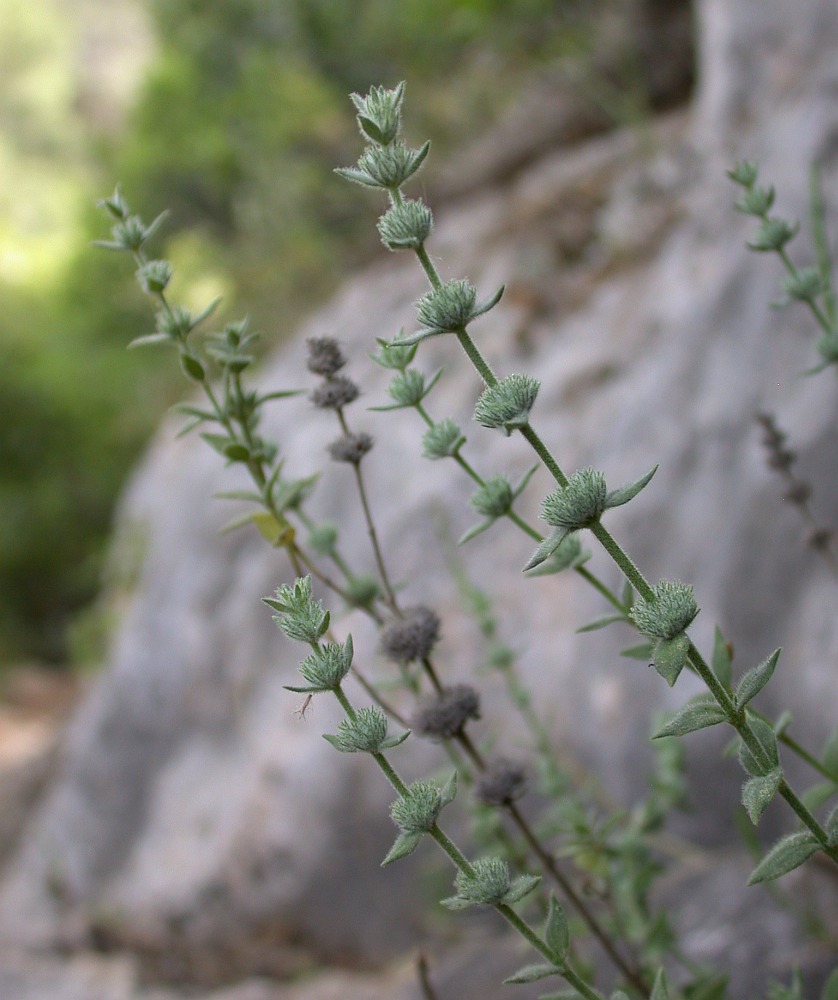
764, 734
670, 657
406, 843
192, 367
660, 991
238, 495
831, 826
721, 661
627, 596
217, 441
521, 886
393, 741
758, 792
601, 623
476, 530
755, 680
556, 930
531, 974
641, 652
692, 717
616, 498
149, 339
448, 790
547, 547
787, 854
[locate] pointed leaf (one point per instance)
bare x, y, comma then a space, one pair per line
522, 886
601, 623
813, 798
756, 679
758, 792
449, 790
276, 532
670, 657
830, 754
149, 339
393, 741
546, 548
406, 843
238, 522
476, 530
627, 596
484, 307
532, 973
764, 734
660, 990
616, 498
556, 931
691, 718
831, 826
238, 495
641, 652
787, 854
721, 661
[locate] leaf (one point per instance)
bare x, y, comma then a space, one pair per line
601, 623
405, 844
616, 498
522, 886
627, 596
830, 753
547, 547
831, 826
721, 660
238, 495
758, 792
670, 657
787, 854
149, 339
641, 652
531, 974
556, 931
393, 741
276, 532
660, 991
813, 798
764, 734
755, 680
448, 790
691, 718
476, 530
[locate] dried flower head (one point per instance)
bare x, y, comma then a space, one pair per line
443, 715
350, 448
412, 637
335, 393
324, 356
502, 783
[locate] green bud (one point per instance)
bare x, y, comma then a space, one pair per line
130, 233
193, 368
406, 226
669, 613
744, 174
366, 733
418, 809
154, 276
449, 309
299, 616
379, 113
828, 347
804, 285
756, 201
579, 504
773, 234
494, 498
386, 166
506, 406
323, 537
394, 356
362, 590
326, 668
489, 884
116, 206
408, 389
443, 440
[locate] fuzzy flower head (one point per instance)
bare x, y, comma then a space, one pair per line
326, 668
489, 884
579, 504
324, 356
406, 226
386, 166
668, 614
501, 784
506, 406
411, 637
298, 615
443, 440
494, 498
380, 113
442, 716
365, 733
418, 810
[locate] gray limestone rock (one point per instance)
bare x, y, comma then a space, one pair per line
195, 812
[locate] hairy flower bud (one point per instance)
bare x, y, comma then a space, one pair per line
406, 226
756, 201
323, 538
324, 356
579, 504
443, 440
671, 610
745, 174
419, 808
299, 616
154, 276
506, 406
773, 234
412, 637
394, 356
365, 733
386, 166
443, 715
326, 668
380, 113
494, 498
489, 884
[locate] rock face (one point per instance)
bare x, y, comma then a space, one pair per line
196, 819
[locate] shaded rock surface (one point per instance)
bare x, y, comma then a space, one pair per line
195, 813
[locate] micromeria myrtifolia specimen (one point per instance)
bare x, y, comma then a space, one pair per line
610, 848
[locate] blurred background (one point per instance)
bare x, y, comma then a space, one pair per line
232, 115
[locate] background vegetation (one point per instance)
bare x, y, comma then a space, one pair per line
232, 114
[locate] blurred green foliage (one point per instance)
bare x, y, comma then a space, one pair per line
239, 117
